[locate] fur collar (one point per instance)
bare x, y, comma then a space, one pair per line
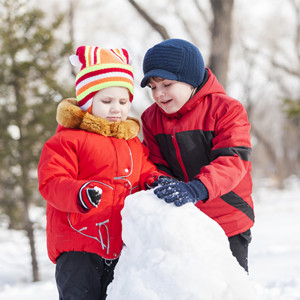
70, 115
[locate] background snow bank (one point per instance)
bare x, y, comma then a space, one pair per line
175, 253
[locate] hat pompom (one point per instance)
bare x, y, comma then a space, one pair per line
74, 60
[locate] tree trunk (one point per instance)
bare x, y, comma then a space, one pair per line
279, 165
30, 235
24, 180
28, 225
221, 38
71, 14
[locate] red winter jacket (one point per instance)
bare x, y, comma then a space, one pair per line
208, 139
110, 155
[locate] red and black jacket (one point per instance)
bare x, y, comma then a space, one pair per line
208, 139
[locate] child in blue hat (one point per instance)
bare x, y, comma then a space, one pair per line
200, 137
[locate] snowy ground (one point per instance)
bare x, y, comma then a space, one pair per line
274, 252
275, 249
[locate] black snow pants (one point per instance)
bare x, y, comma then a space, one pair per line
83, 276
239, 247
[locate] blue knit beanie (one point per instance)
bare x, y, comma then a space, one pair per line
174, 59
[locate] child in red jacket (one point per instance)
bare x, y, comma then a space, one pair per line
87, 169
201, 137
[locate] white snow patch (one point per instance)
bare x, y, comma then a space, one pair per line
175, 253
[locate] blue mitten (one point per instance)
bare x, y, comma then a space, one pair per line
180, 192
164, 180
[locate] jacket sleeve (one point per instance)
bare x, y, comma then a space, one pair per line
155, 155
57, 174
149, 172
230, 152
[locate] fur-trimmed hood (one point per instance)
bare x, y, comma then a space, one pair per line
70, 115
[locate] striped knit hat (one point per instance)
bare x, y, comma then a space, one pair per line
101, 68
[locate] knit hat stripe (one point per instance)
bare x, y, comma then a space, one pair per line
97, 54
107, 69
86, 105
115, 76
88, 59
92, 55
91, 85
120, 54
87, 100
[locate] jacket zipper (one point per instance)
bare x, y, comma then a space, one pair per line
179, 159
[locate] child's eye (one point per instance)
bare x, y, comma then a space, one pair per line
106, 101
167, 84
151, 87
123, 102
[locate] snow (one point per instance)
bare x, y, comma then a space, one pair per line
176, 254
162, 261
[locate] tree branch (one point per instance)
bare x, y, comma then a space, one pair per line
202, 12
157, 27
285, 69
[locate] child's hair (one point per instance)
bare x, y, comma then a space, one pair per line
100, 68
155, 78
174, 59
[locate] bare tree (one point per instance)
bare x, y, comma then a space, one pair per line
157, 27
276, 137
220, 32
71, 16
221, 38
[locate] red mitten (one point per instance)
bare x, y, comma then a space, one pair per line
89, 195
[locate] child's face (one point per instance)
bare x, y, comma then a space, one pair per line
112, 104
170, 95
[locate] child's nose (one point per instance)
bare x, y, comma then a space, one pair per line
159, 93
115, 108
